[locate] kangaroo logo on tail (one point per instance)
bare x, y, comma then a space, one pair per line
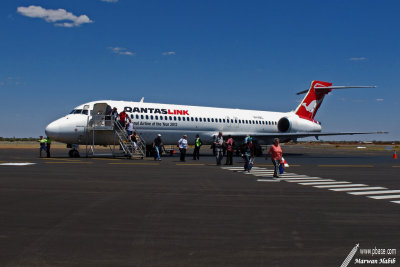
313, 99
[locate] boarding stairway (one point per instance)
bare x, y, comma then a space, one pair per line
127, 144
105, 126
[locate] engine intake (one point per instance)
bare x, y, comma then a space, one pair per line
284, 125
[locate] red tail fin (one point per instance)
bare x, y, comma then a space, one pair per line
313, 99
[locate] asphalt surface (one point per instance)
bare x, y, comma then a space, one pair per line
119, 212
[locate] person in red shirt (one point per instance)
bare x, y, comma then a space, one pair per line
229, 150
276, 155
122, 118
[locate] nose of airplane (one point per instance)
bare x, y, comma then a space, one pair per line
53, 130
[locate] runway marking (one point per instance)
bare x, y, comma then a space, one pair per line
17, 164
190, 164
270, 165
374, 192
104, 159
299, 178
132, 163
59, 159
355, 189
268, 180
384, 197
322, 183
310, 180
395, 167
340, 185
351, 166
69, 162
318, 182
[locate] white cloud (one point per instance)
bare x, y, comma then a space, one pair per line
109, 1
379, 99
169, 53
358, 59
121, 51
61, 16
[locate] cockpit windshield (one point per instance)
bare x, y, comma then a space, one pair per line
79, 111
84, 111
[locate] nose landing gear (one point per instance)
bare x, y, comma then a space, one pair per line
73, 153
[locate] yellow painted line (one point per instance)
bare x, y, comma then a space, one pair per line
105, 159
351, 166
59, 159
132, 163
396, 166
270, 165
191, 164
68, 162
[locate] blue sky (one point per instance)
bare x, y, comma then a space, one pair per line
58, 54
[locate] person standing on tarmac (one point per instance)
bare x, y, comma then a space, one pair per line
182, 144
157, 145
276, 155
197, 145
248, 154
48, 144
219, 141
42, 142
229, 150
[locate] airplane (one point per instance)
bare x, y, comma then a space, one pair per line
172, 121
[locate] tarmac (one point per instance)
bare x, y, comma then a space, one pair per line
117, 212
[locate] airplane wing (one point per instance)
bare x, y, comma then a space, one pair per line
285, 137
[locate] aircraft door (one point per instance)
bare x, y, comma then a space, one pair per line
100, 114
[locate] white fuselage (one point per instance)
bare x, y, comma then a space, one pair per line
173, 121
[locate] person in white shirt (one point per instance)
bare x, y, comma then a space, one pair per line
182, 144
219, 141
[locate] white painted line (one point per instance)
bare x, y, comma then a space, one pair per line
302, 178
355, 189
268, 180
322, 183
384, 197
17, 164
239, 168
396, 201
311, 180
341, 185
293, 176
374, 192
259, 173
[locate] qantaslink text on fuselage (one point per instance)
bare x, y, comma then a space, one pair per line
157, 111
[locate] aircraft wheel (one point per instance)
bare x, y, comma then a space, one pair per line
73, 153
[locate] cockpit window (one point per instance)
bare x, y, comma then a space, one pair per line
78, 111
85, 111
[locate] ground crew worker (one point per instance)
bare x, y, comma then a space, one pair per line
42, 142
197, 145
48, 144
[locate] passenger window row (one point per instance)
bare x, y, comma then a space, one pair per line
199, 119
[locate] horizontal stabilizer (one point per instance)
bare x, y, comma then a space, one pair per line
334, 87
